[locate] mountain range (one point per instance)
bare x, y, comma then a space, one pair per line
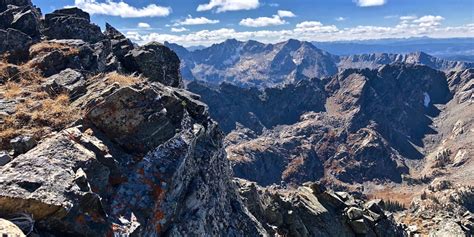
253, 63
102, 137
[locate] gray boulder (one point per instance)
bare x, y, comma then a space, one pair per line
155, 61
42, 183
50, 63
67, 81
14, 41
27, 20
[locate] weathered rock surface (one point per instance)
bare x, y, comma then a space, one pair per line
71, 23
306, 212
156, 62
22, 144
14, 41
140, 152
68, 81
443, 209
4, 158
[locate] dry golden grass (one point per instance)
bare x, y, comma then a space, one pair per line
123, 80
38, 113
11, 90
38, 117
47, 46
23, 73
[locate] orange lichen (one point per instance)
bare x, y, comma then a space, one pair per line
81, 219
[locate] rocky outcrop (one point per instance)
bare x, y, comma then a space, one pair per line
120, 45
118, 154
68, 81
14, 42
138, 168
311, 211
156, 62
71, 23
443, 209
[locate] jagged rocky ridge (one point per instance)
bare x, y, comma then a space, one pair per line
115, 146
252, 63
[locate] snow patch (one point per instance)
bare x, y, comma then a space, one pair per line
426, 100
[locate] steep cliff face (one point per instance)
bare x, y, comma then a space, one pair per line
104, 153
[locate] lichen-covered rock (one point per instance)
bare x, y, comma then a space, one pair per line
146, 160
42, 183
155, 61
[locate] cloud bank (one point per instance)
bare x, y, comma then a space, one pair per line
316, 31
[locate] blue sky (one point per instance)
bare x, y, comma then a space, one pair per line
203, 22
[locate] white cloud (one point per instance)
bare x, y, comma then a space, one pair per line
313, 31
229, 5
178, 30
262, 21
196, 21
341, 18
121, 9
370, 3
283, 13
275, 20
429, 21
312, 27
143, 25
